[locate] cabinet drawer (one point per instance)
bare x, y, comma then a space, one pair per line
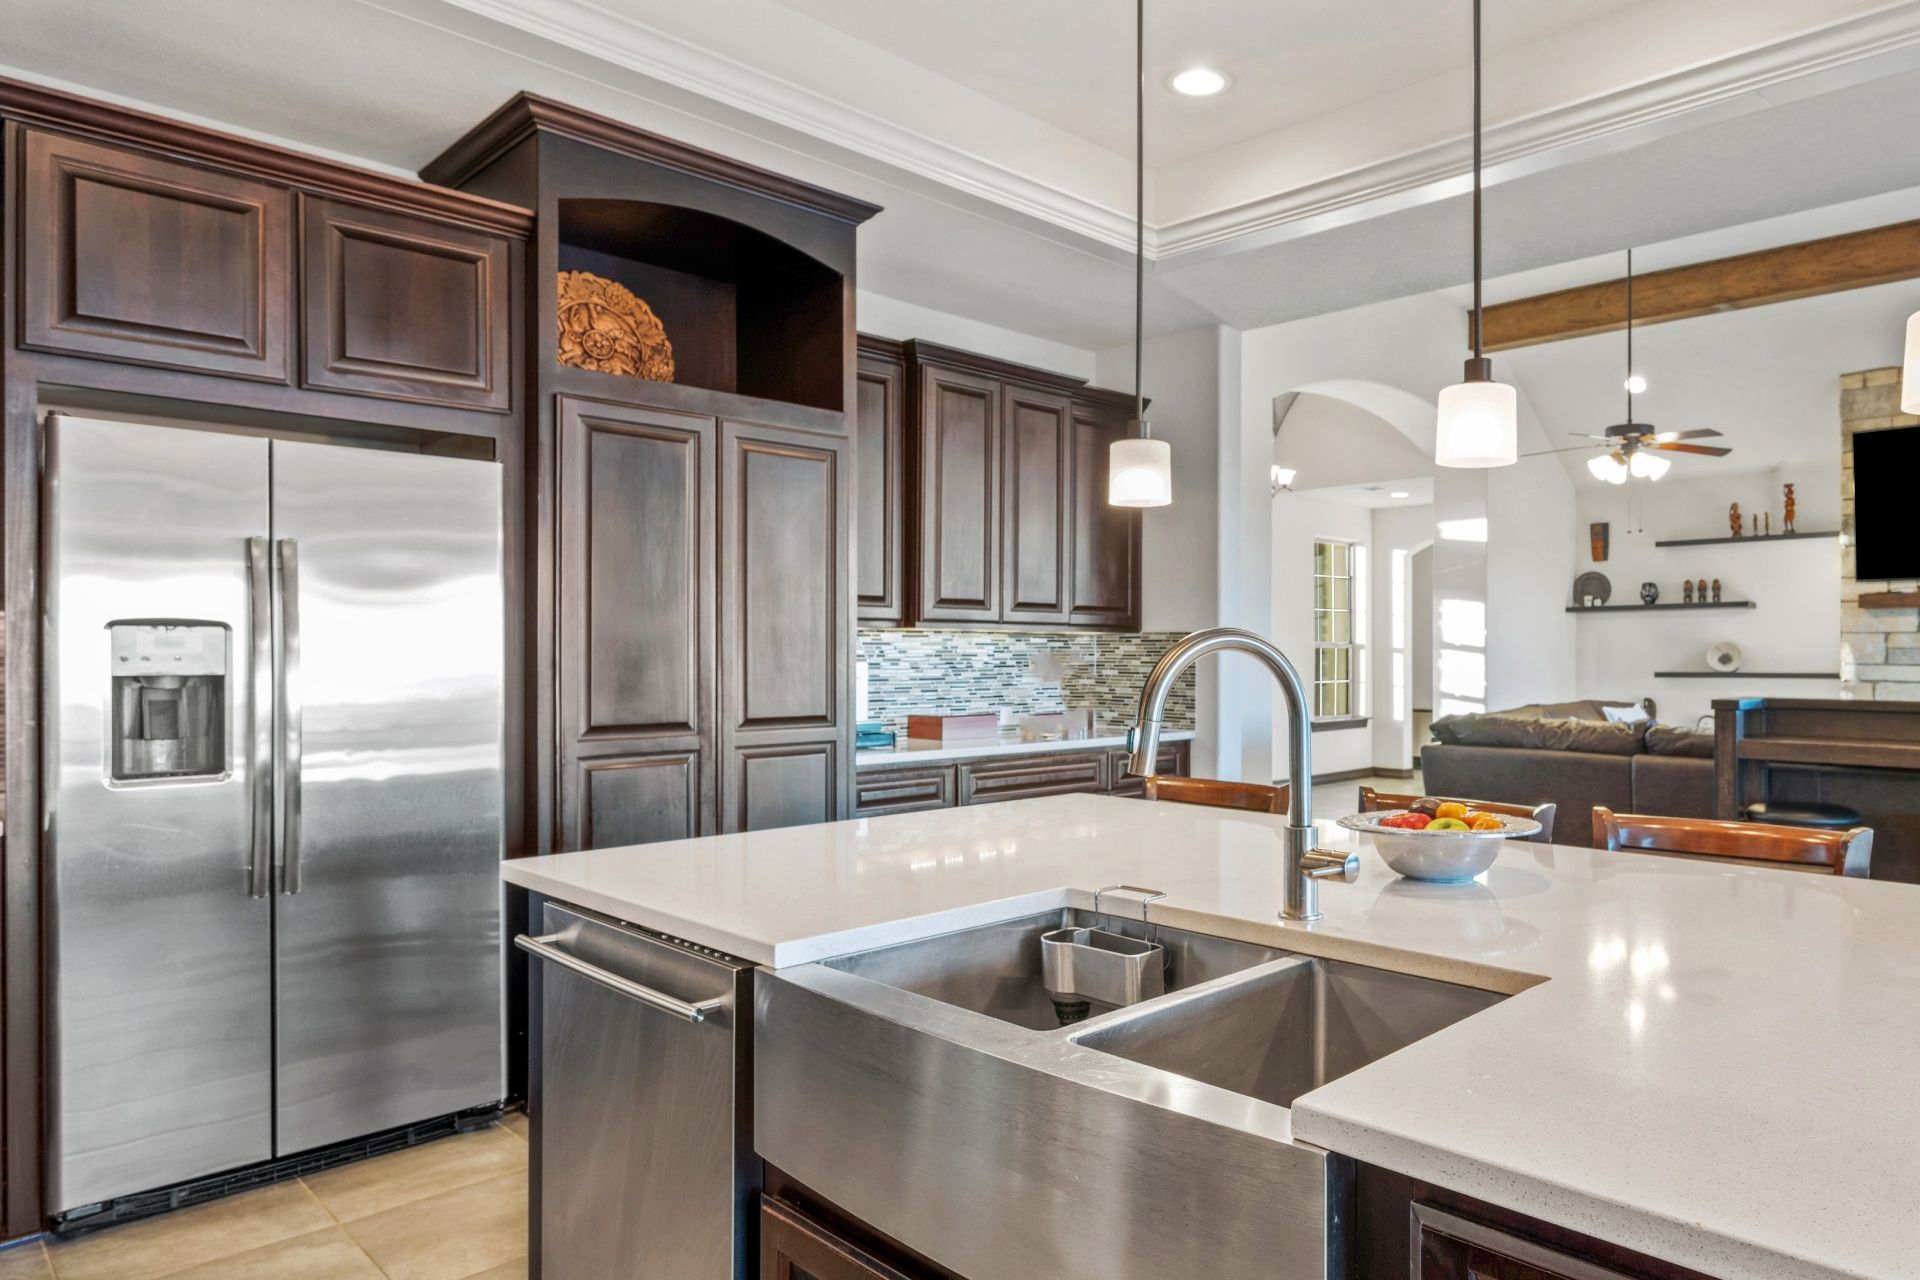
129, 256
903, 790
1033, 776
1171, 759
402, 308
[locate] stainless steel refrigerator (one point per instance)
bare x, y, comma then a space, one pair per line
274, 800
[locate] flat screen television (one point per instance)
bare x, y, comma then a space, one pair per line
1886, 525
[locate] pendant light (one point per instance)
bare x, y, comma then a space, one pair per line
1139, 468
1910, 373
1479, 422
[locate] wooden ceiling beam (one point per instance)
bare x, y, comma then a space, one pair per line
1880, 255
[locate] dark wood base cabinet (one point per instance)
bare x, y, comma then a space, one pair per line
795, 1247
908, 788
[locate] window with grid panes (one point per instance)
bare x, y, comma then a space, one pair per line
1339, 624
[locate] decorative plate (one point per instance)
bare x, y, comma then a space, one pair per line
604, 327
1591, 584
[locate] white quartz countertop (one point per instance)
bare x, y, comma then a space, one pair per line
909, 751
1719, 1066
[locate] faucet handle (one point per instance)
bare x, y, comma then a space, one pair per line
1324, 864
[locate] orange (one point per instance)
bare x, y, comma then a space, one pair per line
1452, 809
1485, 822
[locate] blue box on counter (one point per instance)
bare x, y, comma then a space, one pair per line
871, 735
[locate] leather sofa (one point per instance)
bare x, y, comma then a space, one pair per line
1624, 775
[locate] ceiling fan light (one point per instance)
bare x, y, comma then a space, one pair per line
1139, 473
1605, 467
1479, 425
1910, 374
1647, 466
1635, 384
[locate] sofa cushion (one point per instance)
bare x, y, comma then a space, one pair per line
1598, 737
1579, 709
1673, 786
1673, 740
1574, 780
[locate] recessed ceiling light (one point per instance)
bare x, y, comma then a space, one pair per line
1399, 493
1199, 82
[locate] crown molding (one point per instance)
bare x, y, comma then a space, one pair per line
1518, 147
1719, 88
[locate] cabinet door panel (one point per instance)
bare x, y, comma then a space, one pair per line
794, 1247
1106, 539
637, 613
403, 308
132, 257
958, 453
880, 519
1048, 775
879, 791
786, 522
639, 799
1036, 494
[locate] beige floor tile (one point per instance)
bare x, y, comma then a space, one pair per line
356, 1190
25, 1262
452, 1235
515, 1270
175, 1241
319, 1255
517, 1122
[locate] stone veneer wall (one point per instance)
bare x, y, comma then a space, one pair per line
1879, 648
957, 672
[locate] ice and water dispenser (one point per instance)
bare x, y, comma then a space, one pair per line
170, 691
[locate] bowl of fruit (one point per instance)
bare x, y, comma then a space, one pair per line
1440, 840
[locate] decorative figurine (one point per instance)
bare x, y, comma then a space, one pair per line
1756, 524
1597, 535
1769, 524
1716, 591
1686, 591
1788, 519
1649, 593
1733, 518
1700, 591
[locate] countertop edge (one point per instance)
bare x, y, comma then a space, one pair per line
899, 758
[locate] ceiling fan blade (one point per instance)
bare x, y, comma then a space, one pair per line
1701, 433
1708, 450
1582, 435
1542, 453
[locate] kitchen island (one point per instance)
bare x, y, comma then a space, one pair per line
1708, 1065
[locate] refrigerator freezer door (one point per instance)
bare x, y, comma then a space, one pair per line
160, 1062
388, 950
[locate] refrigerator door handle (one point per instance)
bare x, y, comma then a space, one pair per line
260, 762
290, 715
544, 948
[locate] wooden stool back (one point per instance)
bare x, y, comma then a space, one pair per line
1372, 801
1840, 853
1249, 797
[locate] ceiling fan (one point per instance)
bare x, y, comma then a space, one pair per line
1634, 448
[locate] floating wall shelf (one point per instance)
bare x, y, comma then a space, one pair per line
1657, 608
1746, 675
1765, 537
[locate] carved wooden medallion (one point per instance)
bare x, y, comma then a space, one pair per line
603, 326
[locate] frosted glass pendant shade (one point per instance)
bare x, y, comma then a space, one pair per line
1139, 473
1605, 468
1479, 426
1910, 374
1648, 466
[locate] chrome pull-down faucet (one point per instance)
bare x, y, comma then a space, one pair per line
1302, 863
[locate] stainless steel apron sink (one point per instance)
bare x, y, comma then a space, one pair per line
932, 1090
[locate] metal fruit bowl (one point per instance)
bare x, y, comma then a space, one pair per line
1443, 856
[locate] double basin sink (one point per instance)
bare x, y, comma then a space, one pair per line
935, 1090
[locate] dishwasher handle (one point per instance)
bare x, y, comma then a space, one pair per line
545, 948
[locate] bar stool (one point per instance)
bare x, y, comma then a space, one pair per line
1812, 814
1765, 844
1248, 797
1372, 801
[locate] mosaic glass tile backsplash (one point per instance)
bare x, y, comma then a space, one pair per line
958, 672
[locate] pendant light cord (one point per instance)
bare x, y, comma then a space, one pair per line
1140, 210
1629, 337
1478, 312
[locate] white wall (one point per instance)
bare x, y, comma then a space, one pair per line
1533, 541
1421, 643
890, 318
1399, 529
1793, 584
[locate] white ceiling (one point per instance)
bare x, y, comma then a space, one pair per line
996, 132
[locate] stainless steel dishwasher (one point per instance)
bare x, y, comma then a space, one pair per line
641, 1098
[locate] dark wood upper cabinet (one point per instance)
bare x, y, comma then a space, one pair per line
957, 455
1036, 490
130, 256
637, 623
403, 308
879, 510
785, 613
1105, 578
